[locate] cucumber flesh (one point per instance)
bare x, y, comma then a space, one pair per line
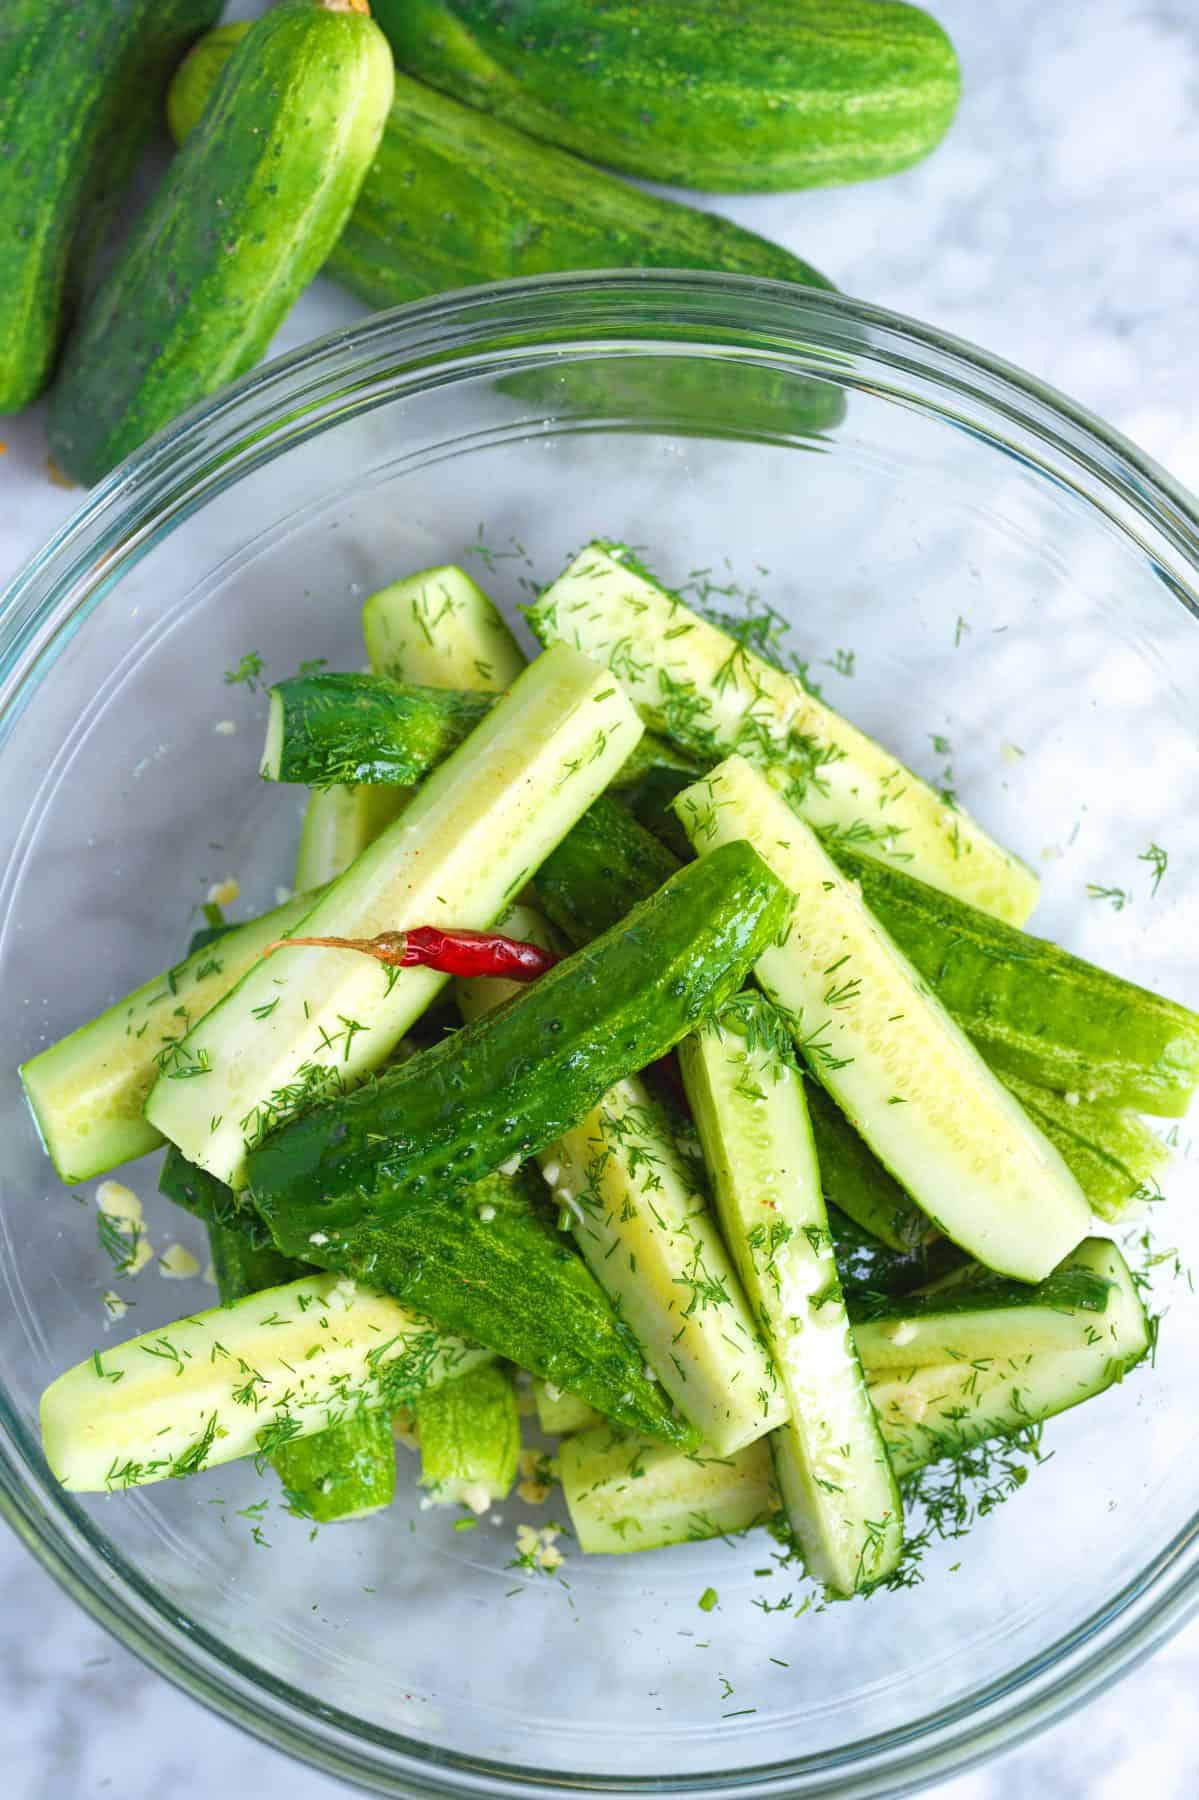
979, 1315
439, 628
339, 823
747, 1096
711, 696
241, 1380
942, 1411
307, 1022
626, 1493
470, 1439
87, 1091
886, 1050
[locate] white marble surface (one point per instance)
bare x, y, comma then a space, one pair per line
1059, 227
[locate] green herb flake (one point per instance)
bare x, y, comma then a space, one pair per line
708, 1600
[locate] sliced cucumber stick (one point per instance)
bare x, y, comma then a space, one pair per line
945, 1409
747, 1096
980, 1315
874, 1035
339, 823
627, 1493
439, 627
710, 695
239, 1380
470, 1439
308, 1022
346, 1471
87, 1091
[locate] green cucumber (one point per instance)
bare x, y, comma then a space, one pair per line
869, 1269
884, 1047
330, 728
630, 1183
197, 75
625, 1493
241, 1262
751, 97
454, 198
344, 1472
439, 628
206, 1198
559, 1414
1113, 1154
944, 1411
79, 94
307, 1022
975, 1314
710, 695
339, 823
87, 1091
1033, 1009
244, 218
747, 1096
510, 1084
470, 1439
489, 1261
241, 1380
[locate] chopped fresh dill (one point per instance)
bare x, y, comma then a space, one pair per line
1158, 860
250, 671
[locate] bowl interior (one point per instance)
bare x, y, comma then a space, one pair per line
971, 599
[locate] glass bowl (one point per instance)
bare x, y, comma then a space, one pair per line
965, 559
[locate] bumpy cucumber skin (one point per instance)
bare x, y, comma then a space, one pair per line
202, 1195
602, 868
1113, 1154
1033, 1009
332, 729
344, 1472
470, 1438
735, 96
873, 1272
492, 1253
242, 1263
242, 222
455, 198
515, 1081
72, 78
197, 75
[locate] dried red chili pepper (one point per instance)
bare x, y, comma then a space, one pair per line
470, 953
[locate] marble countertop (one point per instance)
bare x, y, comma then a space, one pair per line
1059, 227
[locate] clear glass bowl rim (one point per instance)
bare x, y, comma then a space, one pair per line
297, 396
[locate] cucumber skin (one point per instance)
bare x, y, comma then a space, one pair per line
1033, 1009
244, 1265
470, 1437
206, 1198
72, 86
455, 198
734, 96
342, 1472
242, 222
513, 1082
509, 1274
341, 729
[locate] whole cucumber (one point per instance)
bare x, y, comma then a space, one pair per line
737, 96
242, 222
455, 198
80, 87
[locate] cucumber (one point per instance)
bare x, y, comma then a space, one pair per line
242, 1263
453, 199
241, 1380
711, 695
346, 1471
490, 1262
751, 97
440, 629
1113, 1154
854, 1180
976, 1315
330, 728
470, 1439
884, 1047
625, 1493
930, 1413
79, 94
601, 869
87, 1091
202, 1195
1034, 1010
747, 1096
511, 1084
559, 1414
339, 823
244, 218
871, 1270
197, 75
307, 1022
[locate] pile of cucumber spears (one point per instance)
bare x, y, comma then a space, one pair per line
846, 1233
